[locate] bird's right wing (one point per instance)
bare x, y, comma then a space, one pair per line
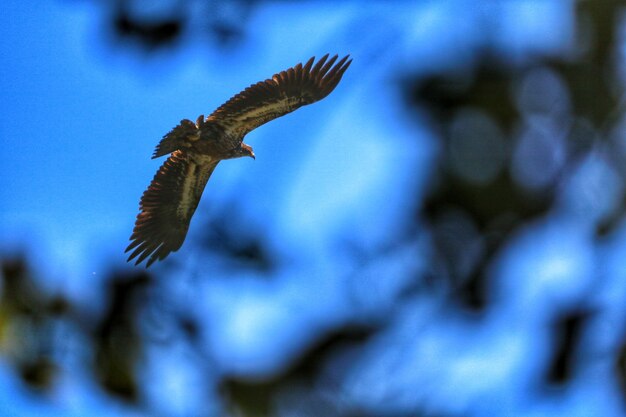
279, 95
167, 206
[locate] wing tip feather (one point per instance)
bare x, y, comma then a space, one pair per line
319, 64
309, 63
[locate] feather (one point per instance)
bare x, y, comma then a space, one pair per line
178, 138
167, 206
283, 93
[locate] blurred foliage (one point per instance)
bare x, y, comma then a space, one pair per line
472, 209
620, 368
163, 24
118, 342
27, 318
482, 205
258, 398
241, 246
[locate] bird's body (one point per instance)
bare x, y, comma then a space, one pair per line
195, 149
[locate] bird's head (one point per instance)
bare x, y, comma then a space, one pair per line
245, 150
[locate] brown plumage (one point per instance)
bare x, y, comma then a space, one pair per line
195, 149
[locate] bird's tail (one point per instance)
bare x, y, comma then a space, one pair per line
179, 138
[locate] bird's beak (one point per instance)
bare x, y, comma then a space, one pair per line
246, 150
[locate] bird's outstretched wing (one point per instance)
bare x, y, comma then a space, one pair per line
167, 205
281, 94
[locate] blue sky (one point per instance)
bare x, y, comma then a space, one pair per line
80, 118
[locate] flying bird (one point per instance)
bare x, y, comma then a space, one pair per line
195, 149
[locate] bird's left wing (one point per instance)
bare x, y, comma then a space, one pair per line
167, 206
281, 94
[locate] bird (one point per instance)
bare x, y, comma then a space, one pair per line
195, 148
